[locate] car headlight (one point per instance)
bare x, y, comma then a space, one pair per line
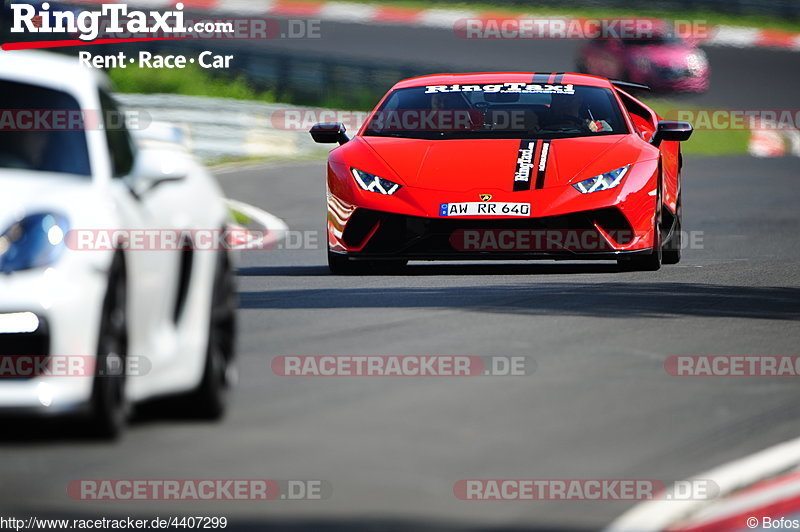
373, 183
603, 181
33, 242
697, 62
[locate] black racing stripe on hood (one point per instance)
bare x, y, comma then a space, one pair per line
524, 169
541, 163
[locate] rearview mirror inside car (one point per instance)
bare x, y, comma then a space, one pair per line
329, 133
674, 130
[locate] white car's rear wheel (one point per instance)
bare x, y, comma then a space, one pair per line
211, 398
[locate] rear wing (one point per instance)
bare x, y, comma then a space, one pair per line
629, 85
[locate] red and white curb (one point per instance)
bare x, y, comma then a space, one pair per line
736, 36
733, 480
761, 506
773, 142
273, 229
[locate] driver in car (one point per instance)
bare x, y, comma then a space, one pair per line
568, 112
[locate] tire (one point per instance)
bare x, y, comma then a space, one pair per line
210, 400
109, 408
341, 265
672, 249
653, 260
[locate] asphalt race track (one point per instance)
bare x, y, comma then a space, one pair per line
599, 405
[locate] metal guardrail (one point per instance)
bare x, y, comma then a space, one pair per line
214, 128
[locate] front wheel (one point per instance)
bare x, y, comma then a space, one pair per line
652, 261
672, 249
109, 407
340, 265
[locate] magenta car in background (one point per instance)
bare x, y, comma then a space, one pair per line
664, 62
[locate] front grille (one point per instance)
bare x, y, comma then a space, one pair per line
420, 236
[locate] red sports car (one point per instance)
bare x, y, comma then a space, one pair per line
505, 166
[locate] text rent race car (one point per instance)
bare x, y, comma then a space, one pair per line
90, 320
505, 165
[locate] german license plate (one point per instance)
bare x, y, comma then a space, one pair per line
484, 208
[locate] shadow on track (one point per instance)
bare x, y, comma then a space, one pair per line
615, 299
427, 269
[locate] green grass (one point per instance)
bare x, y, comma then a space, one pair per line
711, 17
190, 81
239, 217
704, 141
224, 161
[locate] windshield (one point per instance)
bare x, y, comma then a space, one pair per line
498, 110
41, 129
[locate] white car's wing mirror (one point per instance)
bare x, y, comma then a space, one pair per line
154, 167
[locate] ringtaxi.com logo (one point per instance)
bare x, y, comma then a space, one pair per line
198, 490
531, 489
402, 366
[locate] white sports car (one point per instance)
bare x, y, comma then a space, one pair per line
92, 329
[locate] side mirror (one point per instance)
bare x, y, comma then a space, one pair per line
154, 167
329, 133
674, 130
164, 132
